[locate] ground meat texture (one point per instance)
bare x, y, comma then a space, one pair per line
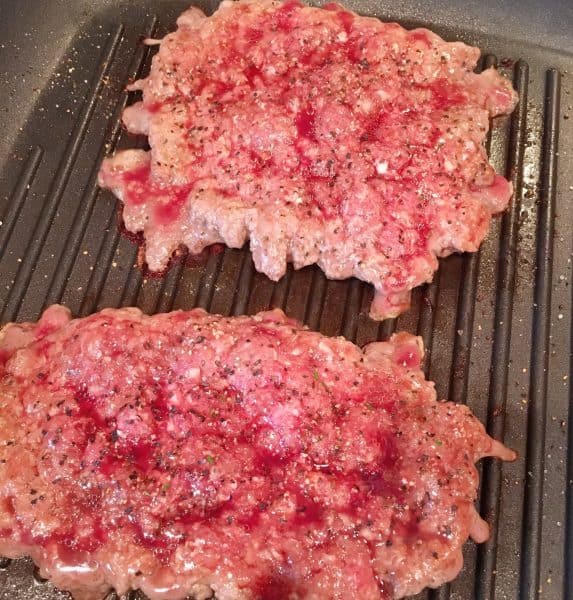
248, 457
319, 135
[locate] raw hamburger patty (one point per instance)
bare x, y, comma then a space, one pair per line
186, 453
319, 135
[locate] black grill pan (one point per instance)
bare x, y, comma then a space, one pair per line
497, 324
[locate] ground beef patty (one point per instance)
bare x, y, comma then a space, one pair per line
249, 457
319, 135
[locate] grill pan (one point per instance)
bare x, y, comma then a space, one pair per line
496, 324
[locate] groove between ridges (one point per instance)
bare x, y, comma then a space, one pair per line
537, 408
491, 481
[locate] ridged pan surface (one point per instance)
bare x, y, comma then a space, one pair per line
497, 324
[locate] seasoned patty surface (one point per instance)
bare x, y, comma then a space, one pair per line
319, 135
249, 457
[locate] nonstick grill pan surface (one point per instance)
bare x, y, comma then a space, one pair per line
497, 324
